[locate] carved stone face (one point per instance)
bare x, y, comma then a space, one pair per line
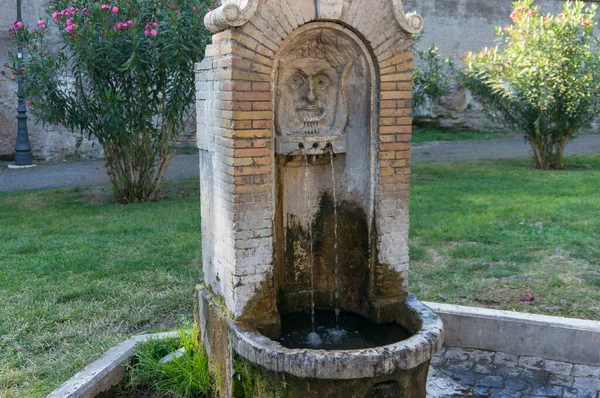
309, 96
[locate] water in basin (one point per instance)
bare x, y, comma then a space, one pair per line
352, 332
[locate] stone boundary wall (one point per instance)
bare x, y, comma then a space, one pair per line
453, 25
457, 26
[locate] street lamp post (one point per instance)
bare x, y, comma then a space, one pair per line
23, 148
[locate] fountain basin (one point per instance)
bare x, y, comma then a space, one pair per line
400, 368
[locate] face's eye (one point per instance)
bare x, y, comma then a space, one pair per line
296, 81
322, 81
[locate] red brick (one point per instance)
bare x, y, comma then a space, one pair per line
262, 124
261, 86
397, 146
242, 153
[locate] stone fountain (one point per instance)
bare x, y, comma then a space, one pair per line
304, 133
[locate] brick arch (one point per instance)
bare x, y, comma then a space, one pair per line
235, 137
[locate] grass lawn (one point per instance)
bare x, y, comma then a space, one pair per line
488, 233
78, 273
430, 134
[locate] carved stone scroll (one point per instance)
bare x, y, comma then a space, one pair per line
410, 22
231, 14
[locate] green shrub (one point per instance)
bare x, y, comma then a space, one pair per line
433, 77
544, 77
123, 74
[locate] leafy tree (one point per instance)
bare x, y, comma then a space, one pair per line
544, 77
123, 74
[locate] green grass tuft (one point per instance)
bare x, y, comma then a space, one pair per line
496, 231
187, 376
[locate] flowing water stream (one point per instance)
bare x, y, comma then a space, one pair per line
335, 244
307, 187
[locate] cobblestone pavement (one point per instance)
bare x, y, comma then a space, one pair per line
472, 373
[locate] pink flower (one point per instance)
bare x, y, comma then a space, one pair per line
130, 23
41, 24
17, 25
55, 16
585, 23
146, 32
69, 29
105, 7
507, 63
566, 68
527, 298
195, 9
153, 32
517, 12
209, 10
531, 13
85, 11
548, 79
155, 25
69, 21
506, 27
115, 9
485, 54
28, 103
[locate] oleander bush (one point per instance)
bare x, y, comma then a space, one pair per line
123, 74
543, 78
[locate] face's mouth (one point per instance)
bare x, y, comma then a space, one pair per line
310, 114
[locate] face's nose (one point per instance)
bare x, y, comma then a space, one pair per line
311, 95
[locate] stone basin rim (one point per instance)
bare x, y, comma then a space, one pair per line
343, 364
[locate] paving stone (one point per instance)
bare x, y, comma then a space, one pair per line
491, 381
456, 353
459, 366
467, 378
537, 378
548, 391
531, 362
502, 358
481, 357
481, 391
506, 371
578, 393
560, 380
504, 394
559, 368
586, 371
482, 369
500, 375
516, 384
587, 383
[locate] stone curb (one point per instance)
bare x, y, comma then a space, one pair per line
106, 371
549, 337
560, 339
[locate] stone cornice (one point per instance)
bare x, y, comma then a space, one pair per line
231, 14
411, 22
